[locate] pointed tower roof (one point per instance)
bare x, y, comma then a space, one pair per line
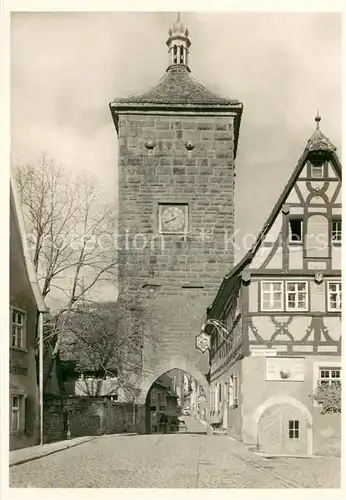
177, 89
318, 141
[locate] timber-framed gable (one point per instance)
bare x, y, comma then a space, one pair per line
290, 300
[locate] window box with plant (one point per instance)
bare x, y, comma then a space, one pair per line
328, 391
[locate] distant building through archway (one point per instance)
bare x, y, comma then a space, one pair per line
172, 396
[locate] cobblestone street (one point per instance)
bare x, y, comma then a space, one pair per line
171, 461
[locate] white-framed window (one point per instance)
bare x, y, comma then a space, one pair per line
296, 295
330, 375
336, 231
272, 295
17, 412
334, 295
18, 321
317, 170
325, 372
295, 230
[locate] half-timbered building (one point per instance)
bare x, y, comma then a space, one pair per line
281, 308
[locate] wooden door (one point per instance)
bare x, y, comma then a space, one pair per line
282, 430
270, 430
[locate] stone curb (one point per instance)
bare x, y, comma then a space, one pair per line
46, 453
122, 434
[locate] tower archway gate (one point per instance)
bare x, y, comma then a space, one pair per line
177, 148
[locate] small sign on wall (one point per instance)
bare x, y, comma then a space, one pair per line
262, 351
285, 369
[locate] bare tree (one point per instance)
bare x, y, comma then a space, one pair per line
106, 344
71, 235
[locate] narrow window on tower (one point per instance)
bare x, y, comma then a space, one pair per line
181, 55
175, 54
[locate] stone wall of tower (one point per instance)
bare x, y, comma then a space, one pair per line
203, 177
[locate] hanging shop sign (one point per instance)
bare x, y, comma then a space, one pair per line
203, 342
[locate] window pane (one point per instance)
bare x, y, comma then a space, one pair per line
336, 230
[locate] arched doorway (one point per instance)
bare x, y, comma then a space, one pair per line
284, 426
176, 402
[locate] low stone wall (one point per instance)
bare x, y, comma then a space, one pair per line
75, 416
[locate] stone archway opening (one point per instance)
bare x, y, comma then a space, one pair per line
176, 402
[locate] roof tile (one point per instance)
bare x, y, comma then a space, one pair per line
178, 87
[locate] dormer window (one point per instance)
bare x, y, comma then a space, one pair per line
317, 171
296, 230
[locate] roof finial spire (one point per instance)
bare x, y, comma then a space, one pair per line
178, 45
317, 120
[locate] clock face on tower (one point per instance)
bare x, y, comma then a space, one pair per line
173, 218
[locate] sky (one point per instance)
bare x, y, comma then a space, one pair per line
67, 67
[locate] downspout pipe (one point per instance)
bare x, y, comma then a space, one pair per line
40, 335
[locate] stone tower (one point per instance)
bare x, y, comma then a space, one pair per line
177, 147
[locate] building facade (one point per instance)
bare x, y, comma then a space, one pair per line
281, 307
163, 406
26, 305
177, 150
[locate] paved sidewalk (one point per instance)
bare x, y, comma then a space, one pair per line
23, 455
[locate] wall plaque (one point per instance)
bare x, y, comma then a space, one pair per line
285, 369
262, 351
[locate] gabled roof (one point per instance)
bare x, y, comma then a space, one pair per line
318, 143
178, 87
30, 269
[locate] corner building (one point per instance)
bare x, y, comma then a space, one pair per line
282, 305
177, 148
